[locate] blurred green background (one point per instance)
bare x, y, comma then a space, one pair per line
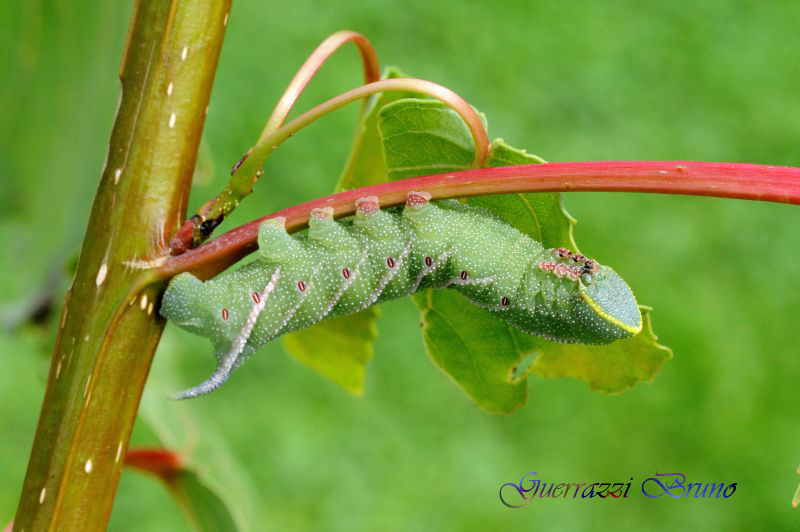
714, 81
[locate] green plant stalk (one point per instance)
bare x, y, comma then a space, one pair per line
724, 180
104, 349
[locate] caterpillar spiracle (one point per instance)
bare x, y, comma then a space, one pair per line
343, 267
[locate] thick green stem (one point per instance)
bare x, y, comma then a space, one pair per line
104, 349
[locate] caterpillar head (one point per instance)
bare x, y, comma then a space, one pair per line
180, 303
603, 306
611, 311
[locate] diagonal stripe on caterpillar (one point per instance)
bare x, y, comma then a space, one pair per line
343, 267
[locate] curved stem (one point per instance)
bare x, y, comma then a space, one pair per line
310, 68
725, 180
246, 172
261, 150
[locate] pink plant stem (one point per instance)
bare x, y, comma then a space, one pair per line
312, 65
724, 180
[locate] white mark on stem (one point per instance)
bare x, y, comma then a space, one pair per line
169, 89
117, 175
119, 452
88, 466
150, 308
42, 495
58, 369
86, 338
225, 20
184, 52
101, 274
145, 264
86, 388
172, 120
143, 302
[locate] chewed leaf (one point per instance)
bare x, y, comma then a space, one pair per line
611, 368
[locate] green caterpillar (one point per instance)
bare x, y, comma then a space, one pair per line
341, 268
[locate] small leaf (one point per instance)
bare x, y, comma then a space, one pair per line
611, 368
203, 508
365, 165
422, 137
338, 348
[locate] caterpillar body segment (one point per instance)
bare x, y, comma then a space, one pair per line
342, 267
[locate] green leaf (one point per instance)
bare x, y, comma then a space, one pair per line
542, 216
483, 354
422, 137
365, 165
338, 348
201, 505
341, 347
611, 368
475, 348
